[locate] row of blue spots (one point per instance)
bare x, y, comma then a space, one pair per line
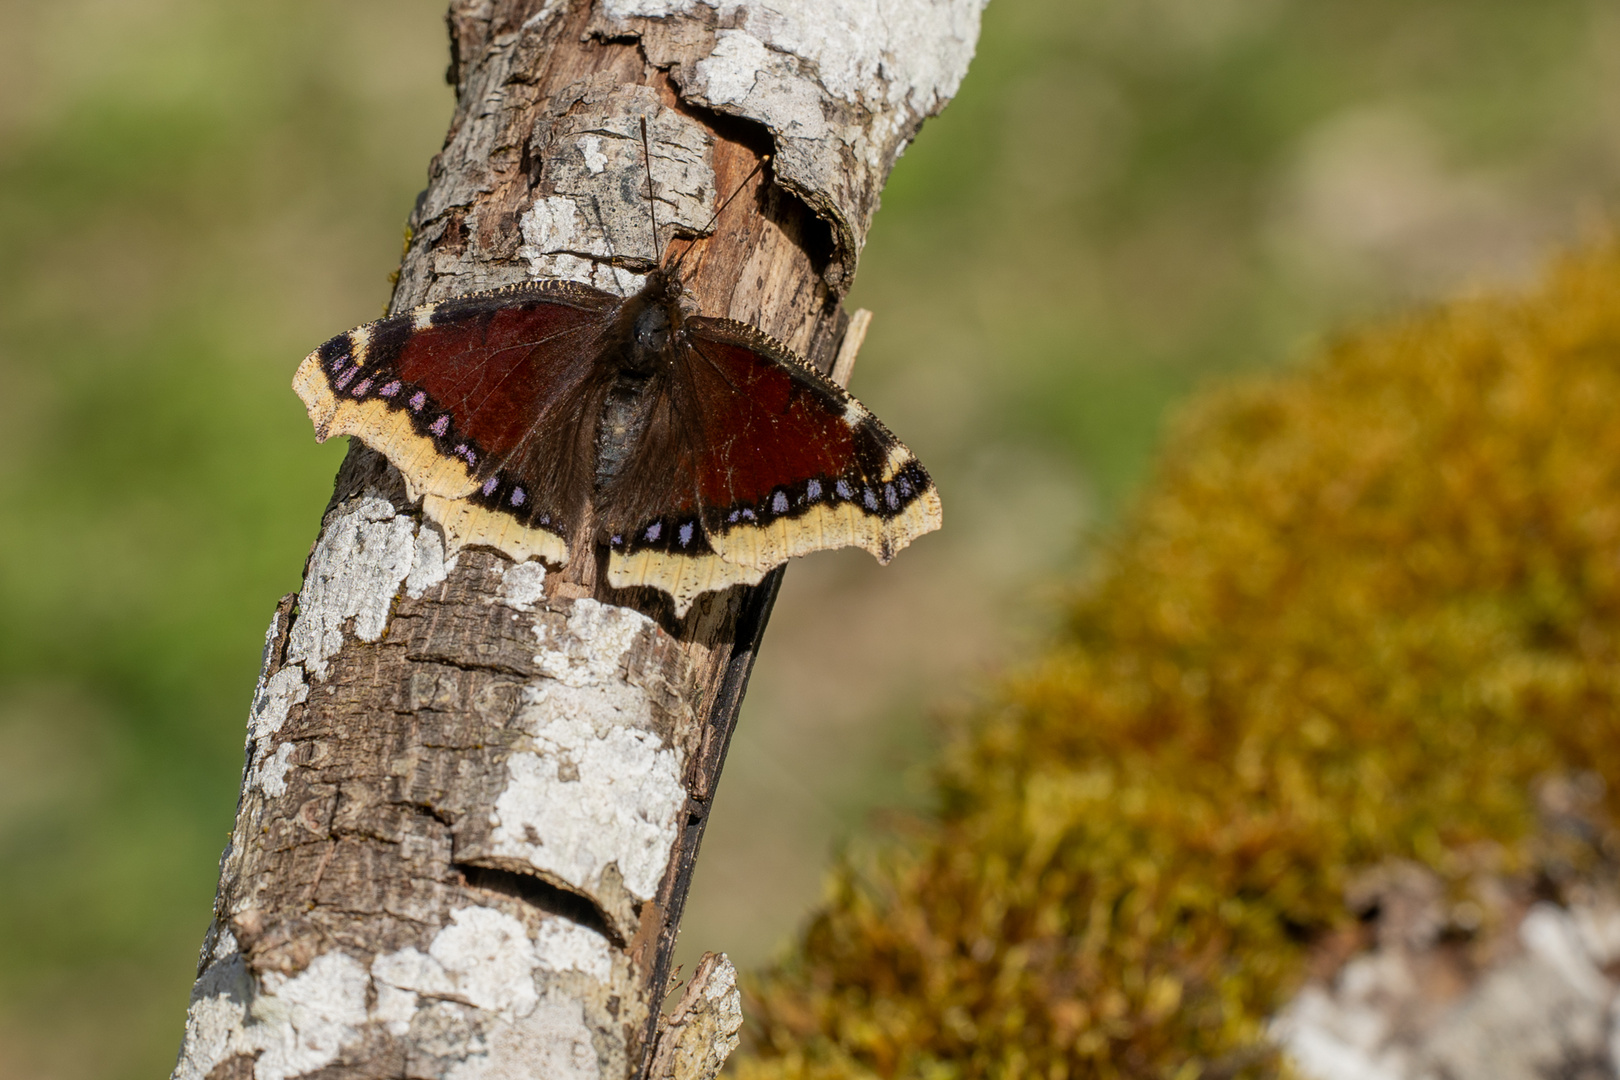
418, 401
361, 388
389, 389
517, 498
891, 495
683, 534
514, 500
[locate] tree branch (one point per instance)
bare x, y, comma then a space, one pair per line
474, 790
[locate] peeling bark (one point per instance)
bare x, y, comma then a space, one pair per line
474, 790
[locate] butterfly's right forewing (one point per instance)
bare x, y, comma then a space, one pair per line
463, 397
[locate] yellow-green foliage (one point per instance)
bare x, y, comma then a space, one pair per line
1361, 610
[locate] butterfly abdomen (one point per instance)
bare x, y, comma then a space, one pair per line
626, 412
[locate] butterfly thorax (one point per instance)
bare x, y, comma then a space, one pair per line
645, 326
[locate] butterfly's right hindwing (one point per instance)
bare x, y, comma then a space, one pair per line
769, 461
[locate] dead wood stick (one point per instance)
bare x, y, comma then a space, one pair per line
475, 791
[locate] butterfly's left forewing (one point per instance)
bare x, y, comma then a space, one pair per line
762, 459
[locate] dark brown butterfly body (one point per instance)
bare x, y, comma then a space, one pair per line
544, 419
647, 343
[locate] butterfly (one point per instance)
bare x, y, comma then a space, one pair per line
549, 419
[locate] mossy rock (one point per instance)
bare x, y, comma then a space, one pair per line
1361, 610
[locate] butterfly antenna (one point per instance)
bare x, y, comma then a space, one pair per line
652, 202
613, 257
716, 217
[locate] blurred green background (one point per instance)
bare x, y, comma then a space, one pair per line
1128, 198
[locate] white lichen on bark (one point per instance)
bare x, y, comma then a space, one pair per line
430, 566
590, 802
598, 209
362, 557
523, 585
289, 1026
841, 85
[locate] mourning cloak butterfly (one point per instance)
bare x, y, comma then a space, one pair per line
545, 418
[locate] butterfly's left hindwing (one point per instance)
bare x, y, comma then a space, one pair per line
767, 460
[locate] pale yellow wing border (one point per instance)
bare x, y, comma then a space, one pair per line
442, 483
744, 556
683, 577
834, 525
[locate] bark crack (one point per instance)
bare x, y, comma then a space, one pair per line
540, 894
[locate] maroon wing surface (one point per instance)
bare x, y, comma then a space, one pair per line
463, 397
761, 459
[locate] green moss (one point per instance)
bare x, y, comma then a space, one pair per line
1360, 610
